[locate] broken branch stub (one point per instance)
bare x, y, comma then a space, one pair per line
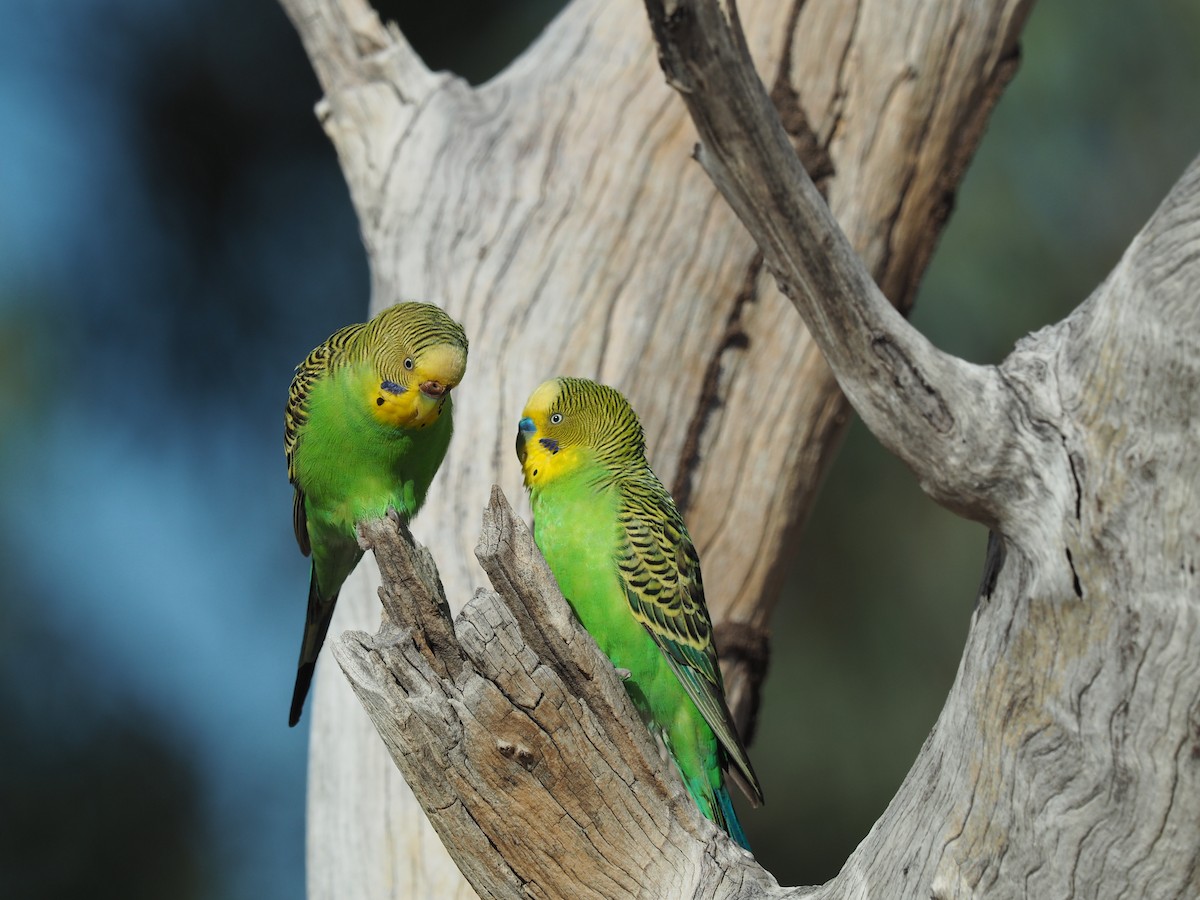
518, 739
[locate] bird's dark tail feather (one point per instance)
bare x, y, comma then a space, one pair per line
728, 819
316, 626
304, 677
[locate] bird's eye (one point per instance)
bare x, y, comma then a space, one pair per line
408, 363
556, 418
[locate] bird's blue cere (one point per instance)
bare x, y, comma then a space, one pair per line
526, 426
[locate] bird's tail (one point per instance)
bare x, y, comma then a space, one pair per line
727, 818
316, 626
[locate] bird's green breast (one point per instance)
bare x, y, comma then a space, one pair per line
578, 530
351, 466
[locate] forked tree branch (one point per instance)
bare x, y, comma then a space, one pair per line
553, 212
519, 740
1064, 761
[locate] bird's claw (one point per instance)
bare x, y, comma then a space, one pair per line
623, 674
394, 515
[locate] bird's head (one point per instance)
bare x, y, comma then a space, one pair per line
420, 356
569, 422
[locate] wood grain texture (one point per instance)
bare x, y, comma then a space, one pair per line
556, 213
929, 408
519, 739
1066, 760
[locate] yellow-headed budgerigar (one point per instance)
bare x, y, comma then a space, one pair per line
367, 424
621, 555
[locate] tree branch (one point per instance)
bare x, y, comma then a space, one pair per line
519, 740
552, 212
929, 408
1065, 759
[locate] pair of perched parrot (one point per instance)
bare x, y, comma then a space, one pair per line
367, 424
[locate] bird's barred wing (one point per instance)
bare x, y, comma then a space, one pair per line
300, 522
323, 359
661, 574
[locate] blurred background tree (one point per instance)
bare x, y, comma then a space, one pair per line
175, 235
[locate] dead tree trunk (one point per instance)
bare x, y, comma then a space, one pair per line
554, 212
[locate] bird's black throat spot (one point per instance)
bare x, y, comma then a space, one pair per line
550, 444
379, 401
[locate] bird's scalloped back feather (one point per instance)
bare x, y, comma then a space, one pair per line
323, 359
661, 575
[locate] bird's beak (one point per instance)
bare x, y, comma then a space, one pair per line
431, 396
524, 429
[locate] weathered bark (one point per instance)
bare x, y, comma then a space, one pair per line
519, 740
1066, 760
554, 213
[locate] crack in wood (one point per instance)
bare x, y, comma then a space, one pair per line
1078, 588
992, 564
734, 338
814, 155
1075, 478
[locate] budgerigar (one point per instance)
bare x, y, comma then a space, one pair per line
367, 424
621, 555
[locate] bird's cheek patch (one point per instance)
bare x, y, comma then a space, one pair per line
396, 407
550, 444
388, 387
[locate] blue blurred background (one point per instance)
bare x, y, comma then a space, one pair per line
175, 235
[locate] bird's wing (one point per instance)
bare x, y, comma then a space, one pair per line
661, 574
323, 359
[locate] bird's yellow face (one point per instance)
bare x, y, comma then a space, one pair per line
413, 387
549, 441
573, 423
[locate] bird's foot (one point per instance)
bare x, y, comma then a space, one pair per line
623, 674
394, 515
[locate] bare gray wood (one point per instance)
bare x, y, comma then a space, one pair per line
1066, 761
519, 739
929, 408
554, 211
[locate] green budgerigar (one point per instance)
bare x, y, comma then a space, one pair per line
367, 423
621, 555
